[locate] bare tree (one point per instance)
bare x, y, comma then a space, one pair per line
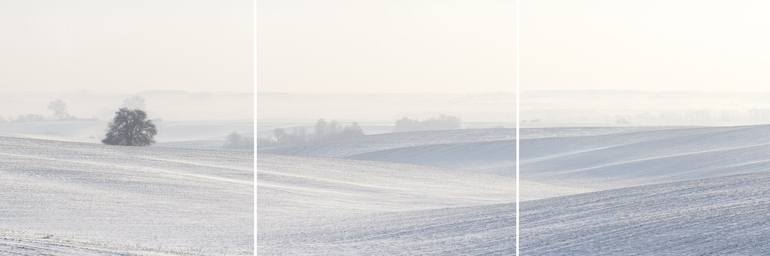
59, 109
236, 141
134, 102
280, 135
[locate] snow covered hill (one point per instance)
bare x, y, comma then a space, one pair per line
636, 191
724, 216
488, 156
160, 200
648, 157
714, 216
599, 161
299, 190
479, 230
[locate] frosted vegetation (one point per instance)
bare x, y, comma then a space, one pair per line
322, 131
333, 130
130, 127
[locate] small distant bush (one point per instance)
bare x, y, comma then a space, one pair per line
265, 142
59, 109
237, 141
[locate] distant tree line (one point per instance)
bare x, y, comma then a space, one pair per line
333, 130
442, 122
322, 131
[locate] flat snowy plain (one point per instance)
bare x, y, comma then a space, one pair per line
70, 198
585, 191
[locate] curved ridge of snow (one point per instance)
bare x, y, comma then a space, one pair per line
543, 148
296, 190
604, 161
456, 155
390, 141
614, 161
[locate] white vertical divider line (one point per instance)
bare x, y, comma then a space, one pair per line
518, 104
254, 115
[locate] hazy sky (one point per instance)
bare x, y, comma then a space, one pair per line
126, 46
467, 46
649, 45
383, 46
375, 46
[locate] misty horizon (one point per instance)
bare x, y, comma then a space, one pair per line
539, 108
178, 105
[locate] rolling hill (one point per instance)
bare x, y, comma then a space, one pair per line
116, 199
639, 191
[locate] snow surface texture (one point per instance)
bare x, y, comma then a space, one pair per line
66, 198
719, 216
294, 190
658, 191
714, 216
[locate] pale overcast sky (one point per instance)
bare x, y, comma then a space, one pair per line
366, 46
383, 46
467, 45
126, 45
653, 45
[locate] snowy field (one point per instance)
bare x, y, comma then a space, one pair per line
585, 191
69, 198
713, 216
